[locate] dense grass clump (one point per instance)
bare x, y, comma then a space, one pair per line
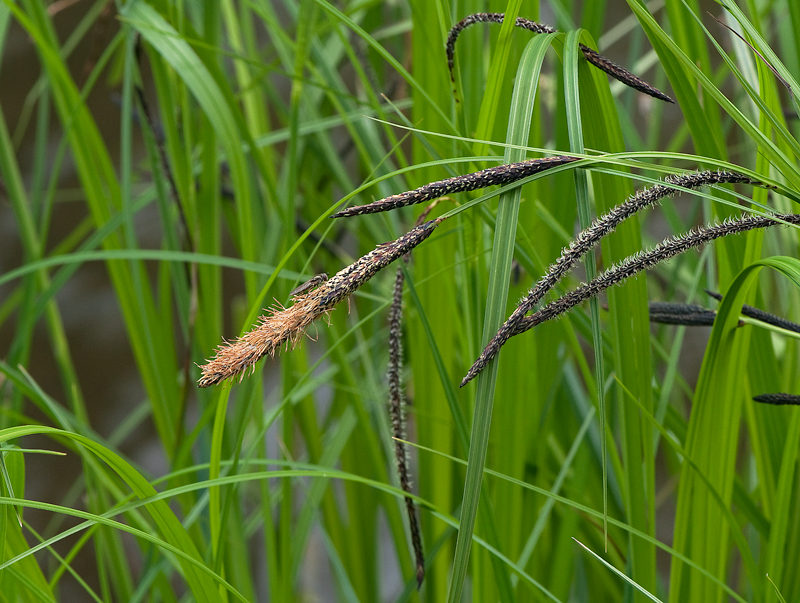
329, 452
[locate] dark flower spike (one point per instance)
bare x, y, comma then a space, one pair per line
778, 399
586, 239
397, 413
618, 73
644, 260
672, 313
285, 326
500, 174
397, 408
692, 315
766, 317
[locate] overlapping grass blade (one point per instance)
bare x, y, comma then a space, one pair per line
500, 271
712, 440
171, 529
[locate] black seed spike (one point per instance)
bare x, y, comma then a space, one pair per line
618, 73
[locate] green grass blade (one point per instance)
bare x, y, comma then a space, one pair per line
171, 529
498, 73
712, 440
572, 106
619, 573
500, 271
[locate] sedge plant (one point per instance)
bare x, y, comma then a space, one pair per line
243, 128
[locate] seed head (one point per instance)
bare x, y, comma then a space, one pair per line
284, 327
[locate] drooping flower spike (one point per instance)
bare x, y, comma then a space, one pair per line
518, 322
397, 408
618, 73
660, 253
285, 326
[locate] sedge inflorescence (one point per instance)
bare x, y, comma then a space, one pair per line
284, 327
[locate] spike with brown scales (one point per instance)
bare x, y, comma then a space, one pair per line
283, 327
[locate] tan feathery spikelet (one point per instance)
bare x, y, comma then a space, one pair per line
279, 327
284, 327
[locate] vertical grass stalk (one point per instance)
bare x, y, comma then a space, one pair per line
499, 276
